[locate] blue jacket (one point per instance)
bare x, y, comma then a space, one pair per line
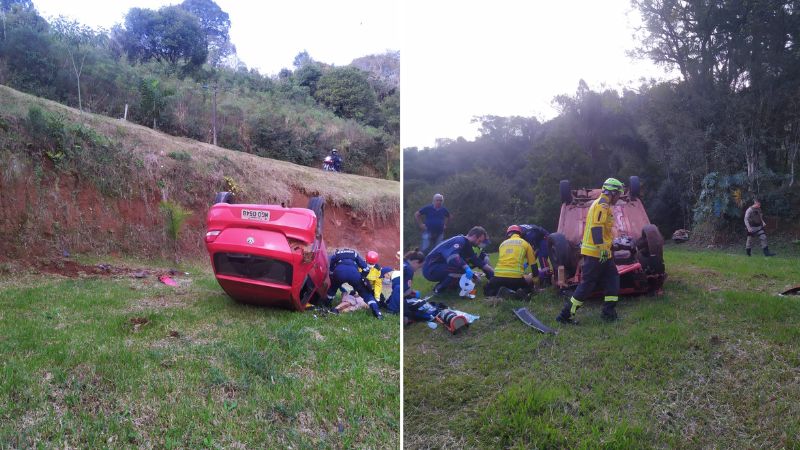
347, 256
455, 251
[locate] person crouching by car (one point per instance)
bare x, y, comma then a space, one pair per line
347, 266
509, 274
452, 258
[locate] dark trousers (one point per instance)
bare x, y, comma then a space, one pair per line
348, 273
594, 275
496, 283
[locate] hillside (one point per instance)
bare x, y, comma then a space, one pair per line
88, 183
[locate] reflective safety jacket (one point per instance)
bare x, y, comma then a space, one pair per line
597, 235
513, 254
375, 281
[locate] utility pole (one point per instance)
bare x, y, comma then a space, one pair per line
214, 116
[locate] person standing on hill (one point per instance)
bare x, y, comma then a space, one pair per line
754, 222
436, 218
598, 266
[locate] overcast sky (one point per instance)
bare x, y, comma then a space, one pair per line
268, 35
471, 58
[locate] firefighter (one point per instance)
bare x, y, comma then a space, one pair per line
755, 224
598, 266
452, 258
509, 274
347, 266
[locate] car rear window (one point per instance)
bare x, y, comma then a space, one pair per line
253, 267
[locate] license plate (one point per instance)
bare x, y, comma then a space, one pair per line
249, 214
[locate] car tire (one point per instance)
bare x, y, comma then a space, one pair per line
317, 204
652, 264
558, 249
565, 191
635, 187
223, 197
655, 242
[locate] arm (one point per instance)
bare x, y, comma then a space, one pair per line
747, 220
599, 223
418, 218
531, 255
446, 219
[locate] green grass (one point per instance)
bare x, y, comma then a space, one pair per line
202, 372
713, 363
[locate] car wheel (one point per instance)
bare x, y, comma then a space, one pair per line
635, 187
558, 249
655, 242
223, 197
317, 204
652, 264
566, 192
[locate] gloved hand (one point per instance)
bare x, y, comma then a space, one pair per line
417, 294
544, 274
604, 254
468, 272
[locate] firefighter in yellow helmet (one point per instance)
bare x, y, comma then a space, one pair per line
598, 266
509, 277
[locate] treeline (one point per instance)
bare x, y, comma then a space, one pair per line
170, 67
703, 145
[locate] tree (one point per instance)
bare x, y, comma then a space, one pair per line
347, 92
216, 25
170, 34
154, 98
77, 39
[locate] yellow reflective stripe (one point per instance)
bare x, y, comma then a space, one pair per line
611, 298
575, 305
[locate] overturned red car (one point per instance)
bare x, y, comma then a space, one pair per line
637, 249
268, 254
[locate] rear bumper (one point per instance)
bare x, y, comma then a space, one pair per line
259, 293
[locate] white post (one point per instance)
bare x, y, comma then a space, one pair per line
125, 117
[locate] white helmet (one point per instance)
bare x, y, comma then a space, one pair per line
466, 285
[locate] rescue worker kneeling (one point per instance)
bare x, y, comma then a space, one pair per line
347, 266
598, 266
509, 274
452, 258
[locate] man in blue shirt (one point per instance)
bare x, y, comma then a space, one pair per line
436, 217
453, 257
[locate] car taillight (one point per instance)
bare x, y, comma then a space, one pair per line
211, 236
303, 249
308, 255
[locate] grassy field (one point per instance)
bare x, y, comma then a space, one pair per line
116, 362
713, 363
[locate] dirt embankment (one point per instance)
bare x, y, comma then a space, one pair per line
101, 193
58, 215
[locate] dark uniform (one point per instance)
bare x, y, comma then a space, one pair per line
451, 257
347, 266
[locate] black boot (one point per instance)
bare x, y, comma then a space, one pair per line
567, 314
609, 311
748, 252
767, 252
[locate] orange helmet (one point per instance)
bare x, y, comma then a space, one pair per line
513, 229
372, 257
